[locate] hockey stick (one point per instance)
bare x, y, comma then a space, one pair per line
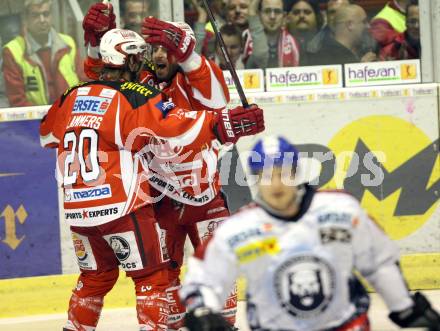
230, 65
242, 194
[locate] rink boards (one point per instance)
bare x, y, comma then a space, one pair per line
379, 143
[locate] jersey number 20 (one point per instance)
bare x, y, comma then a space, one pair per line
87, 174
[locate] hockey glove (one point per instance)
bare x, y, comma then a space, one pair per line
238, 122
98, 20
204, 319
421, 314
178, 41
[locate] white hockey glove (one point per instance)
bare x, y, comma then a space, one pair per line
421, 314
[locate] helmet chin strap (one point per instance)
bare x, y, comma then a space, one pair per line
126, 73
300, 194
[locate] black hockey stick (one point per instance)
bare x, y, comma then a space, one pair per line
239, 195
219, 37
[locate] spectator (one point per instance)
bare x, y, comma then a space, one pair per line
237, 13
203, 29
218, 10
406, 45
389, 22
332, 6
267, 43
315, 44
304, 20
3, 99
10, 29
133, 12
234, 46
349, 26
40, 64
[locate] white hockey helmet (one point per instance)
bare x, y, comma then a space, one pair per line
118, 44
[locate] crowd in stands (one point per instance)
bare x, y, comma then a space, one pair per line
38, 62
285, 33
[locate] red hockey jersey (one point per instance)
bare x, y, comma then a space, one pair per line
103, 130
193, 178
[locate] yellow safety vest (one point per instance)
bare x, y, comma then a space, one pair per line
394, 17
32, 73
209, 28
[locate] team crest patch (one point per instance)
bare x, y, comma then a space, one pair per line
305, 286
126, 250
121, 247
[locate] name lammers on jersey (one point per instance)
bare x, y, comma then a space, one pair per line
91, 214
85, 121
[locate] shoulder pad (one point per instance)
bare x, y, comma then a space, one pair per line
137, 94
338, 191
70, 89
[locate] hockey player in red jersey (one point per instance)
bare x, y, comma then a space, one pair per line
202, 206
102, 130
190, 80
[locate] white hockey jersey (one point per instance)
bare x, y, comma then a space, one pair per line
298, 271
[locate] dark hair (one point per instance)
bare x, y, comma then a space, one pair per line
412, 3
231, 30
288, 4
260, 5
123, 6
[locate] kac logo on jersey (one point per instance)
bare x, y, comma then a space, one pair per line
121, 247
91, 105
305, 286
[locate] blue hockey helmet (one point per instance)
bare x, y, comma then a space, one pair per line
272, 151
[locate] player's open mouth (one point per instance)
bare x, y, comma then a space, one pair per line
161, 66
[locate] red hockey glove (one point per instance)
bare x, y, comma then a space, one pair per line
238, 122
98, 20
178, 41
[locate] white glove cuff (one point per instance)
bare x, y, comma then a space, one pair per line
193, 62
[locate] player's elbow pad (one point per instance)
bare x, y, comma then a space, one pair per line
421, 314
